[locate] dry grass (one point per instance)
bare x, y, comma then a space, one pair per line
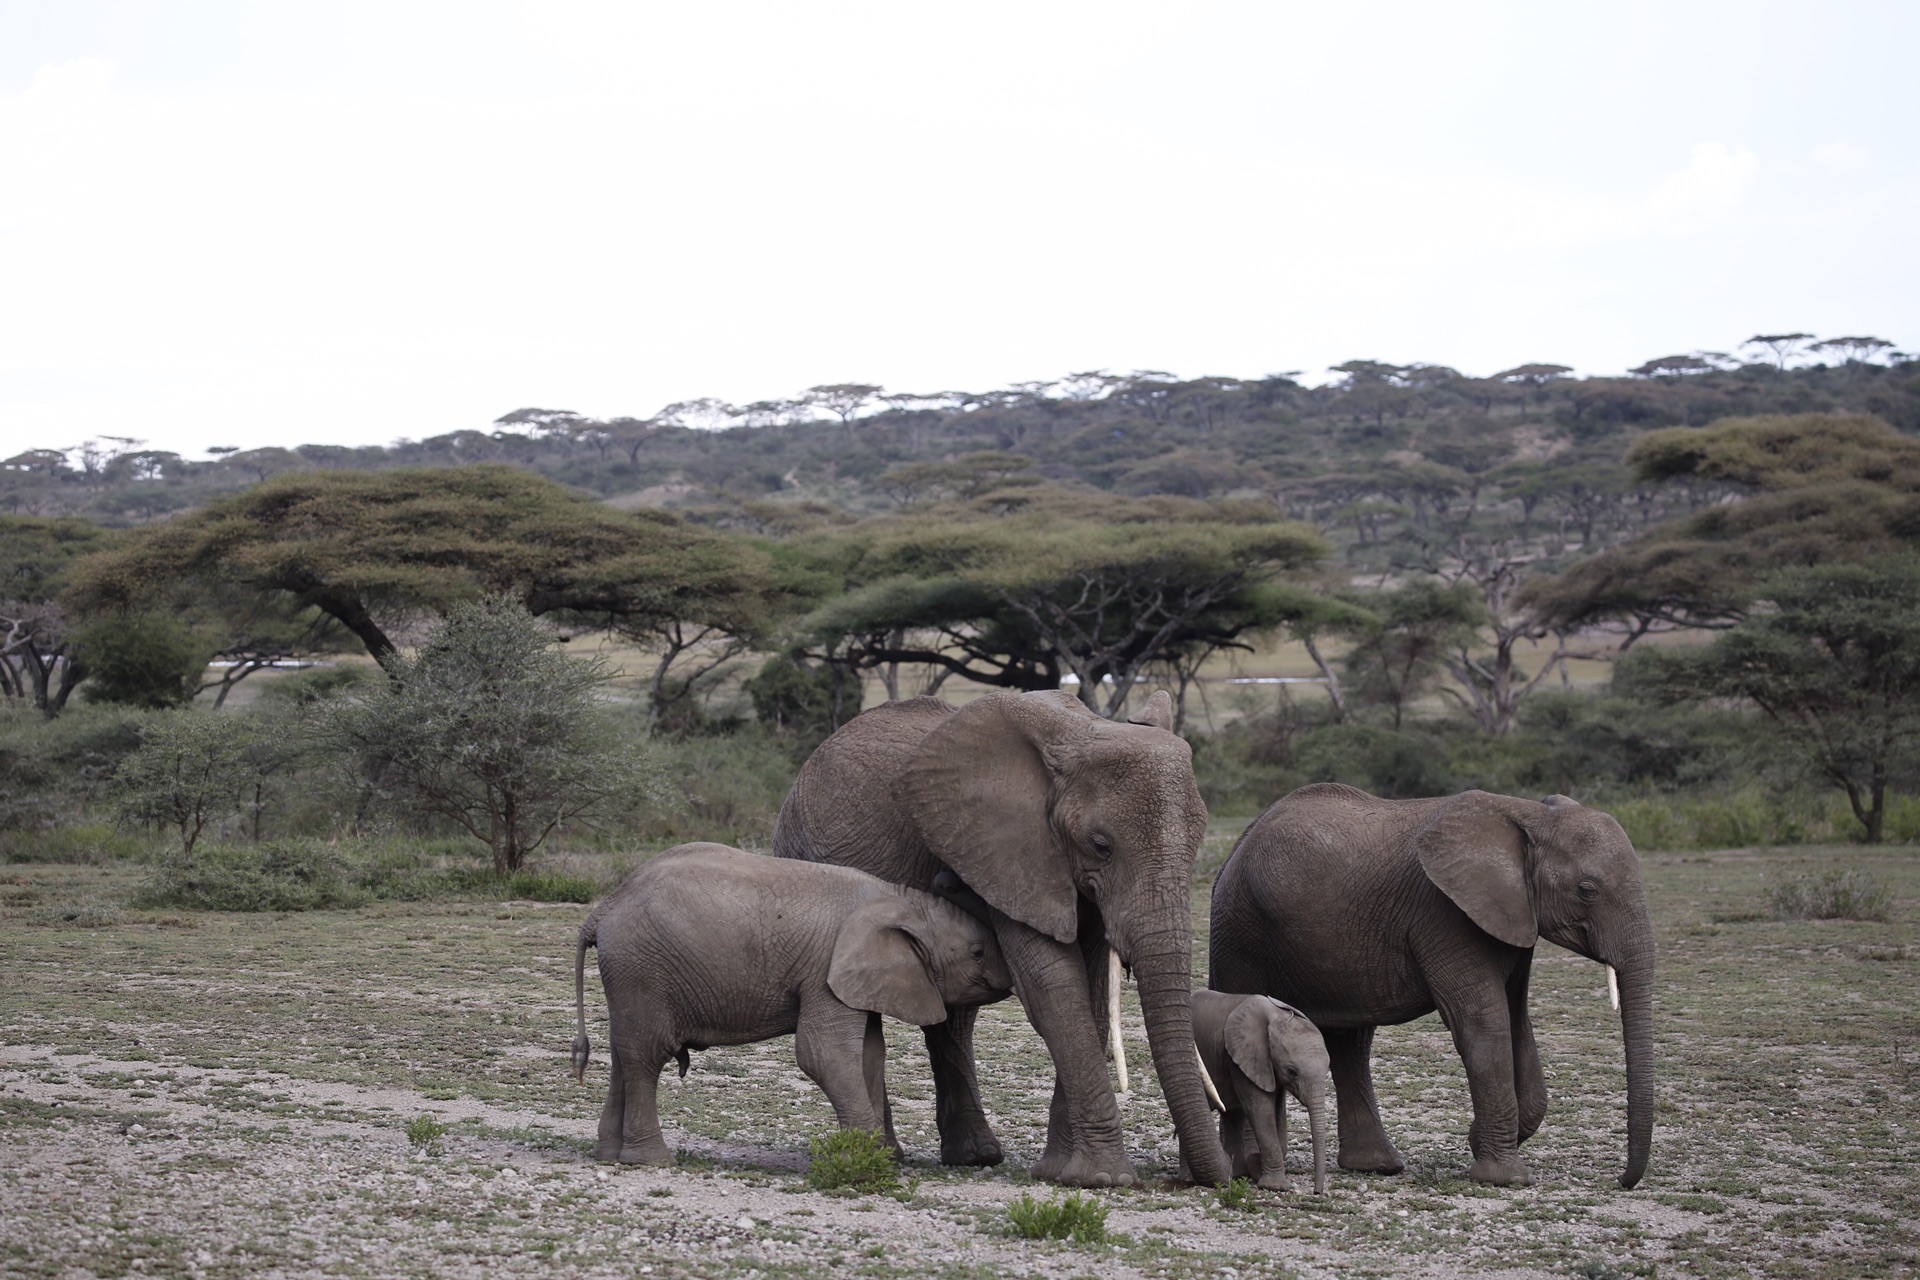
216, 1094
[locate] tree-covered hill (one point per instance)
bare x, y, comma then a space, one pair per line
1378, 443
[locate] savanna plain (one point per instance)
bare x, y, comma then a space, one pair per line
230, 1094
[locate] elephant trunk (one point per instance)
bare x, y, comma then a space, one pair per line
1313, 1096
1636, 1025
1163, 972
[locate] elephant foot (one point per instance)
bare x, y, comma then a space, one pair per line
1371, 1155
1274, 1182
978, 1148
1083, 1170
655, 1152
1508, 1172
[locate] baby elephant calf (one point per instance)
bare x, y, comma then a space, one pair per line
708, 945
1258, 1050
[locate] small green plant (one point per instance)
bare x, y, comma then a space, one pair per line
424, 1132
857, 1159
1238, 1194
1831, 895
1598, 1269
1073, 1216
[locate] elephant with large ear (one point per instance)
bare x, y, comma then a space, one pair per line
1079, 834
708, 945
1258, 1051
1363, 912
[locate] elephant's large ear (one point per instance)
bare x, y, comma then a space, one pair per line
979, 788
878, 965
1158, 712
1475, 850
1247, 1042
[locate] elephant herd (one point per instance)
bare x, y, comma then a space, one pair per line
931, 858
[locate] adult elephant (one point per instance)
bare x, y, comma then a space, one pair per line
1079, 834
1362, 912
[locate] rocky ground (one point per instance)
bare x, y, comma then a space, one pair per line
219, 1095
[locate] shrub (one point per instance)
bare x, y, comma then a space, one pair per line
549, 886
857, 1159
1073, 1216
1831, 895
491, 727
141, 660
50, 770
1238, 1194
424, 1133
275, 875
192, 767
731, 785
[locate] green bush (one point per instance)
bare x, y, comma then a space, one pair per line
275, 875
85, 845
1073, 1216
424, 1133
857, 1159
1238, 1195
731, 789
141, 660
52, 770
1831, 895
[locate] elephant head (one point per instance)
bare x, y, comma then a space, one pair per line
911, 956
1041, 807
1523, 870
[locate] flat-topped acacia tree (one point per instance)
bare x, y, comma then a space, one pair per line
373, 549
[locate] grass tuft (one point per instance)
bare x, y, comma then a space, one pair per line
424, 1132
1831, 895
1238, 1194
1073, 1216
857, 1159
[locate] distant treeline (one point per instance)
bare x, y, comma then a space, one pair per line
1417, 436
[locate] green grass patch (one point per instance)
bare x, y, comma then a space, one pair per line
854, 1159
424, 1133
1073, 1216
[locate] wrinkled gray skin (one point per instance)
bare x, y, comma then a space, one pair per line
1078, 833
708, 945
1363, 912
1258, 1051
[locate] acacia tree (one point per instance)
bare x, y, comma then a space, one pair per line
1023, 587
490, 727
1833, 663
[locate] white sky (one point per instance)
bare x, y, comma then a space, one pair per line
263, 223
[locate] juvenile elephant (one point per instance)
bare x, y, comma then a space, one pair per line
1079, 833
708, 945
1364, 912
1258, 1051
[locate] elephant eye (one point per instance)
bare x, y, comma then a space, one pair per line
1587, 890
1102, 848
979, 952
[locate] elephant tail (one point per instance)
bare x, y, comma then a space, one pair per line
581, 1050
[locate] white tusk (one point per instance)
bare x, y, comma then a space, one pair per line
1613, 988
1213, 1094
1113, 1019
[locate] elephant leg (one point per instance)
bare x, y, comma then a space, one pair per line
965, 1137
1483, 1036
873, 1061
1364, 1145
1084, 1146
638, 1056
1529, 1080
1268, 1115
612, 1115
830, 1043
1233, 1140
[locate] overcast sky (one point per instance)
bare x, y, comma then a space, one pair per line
262, 223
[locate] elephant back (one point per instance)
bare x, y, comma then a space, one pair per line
842, 808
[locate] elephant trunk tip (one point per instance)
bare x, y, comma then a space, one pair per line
1630, 1177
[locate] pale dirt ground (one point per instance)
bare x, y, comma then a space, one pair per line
191, 1095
